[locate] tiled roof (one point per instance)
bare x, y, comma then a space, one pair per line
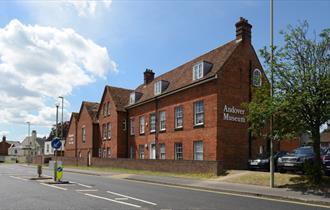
92, 109
120, 96
182, 75
75, 115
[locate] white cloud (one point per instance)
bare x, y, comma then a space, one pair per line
87, 7
4, 133
37, 64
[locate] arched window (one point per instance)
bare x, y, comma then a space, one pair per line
257, 78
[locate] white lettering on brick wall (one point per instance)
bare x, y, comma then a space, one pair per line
230, 114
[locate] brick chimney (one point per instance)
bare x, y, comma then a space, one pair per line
149, 75
243, 30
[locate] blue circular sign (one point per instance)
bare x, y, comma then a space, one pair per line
56, 143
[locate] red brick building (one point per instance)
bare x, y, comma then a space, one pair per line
87, 131
4, 145
71, 138
112, 117
192, 112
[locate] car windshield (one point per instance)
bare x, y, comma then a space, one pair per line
303, 151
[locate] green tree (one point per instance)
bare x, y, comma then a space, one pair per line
301, 96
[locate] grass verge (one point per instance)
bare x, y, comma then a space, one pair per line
143, 172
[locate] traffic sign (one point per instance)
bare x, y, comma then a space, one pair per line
56, 143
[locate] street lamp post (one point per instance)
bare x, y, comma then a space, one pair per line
62, 129
271, 158
29, 154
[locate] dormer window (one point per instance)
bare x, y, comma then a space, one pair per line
134, 97
158, 88
201, 69
257, 78
198, 71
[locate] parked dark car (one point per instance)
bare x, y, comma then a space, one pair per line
295, 160
326, 162
262, 161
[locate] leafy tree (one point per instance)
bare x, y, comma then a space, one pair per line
301, 89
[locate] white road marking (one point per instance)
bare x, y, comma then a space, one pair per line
83, 185
88, 190
108, 199
233, 194
19, 178
137, 199
54, 186
121, 199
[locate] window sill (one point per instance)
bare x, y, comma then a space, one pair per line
141, 134
162, 131
152, 132
178, 129
199, 126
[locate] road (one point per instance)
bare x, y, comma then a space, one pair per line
17, 191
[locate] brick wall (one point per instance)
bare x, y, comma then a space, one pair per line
71, 139
188, 134
4, 148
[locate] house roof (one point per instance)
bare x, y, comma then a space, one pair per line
182, 75
92, 108
75, 115
120, 96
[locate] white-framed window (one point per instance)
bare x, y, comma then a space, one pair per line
47, 148
158, 88
257, 78
83, 131
132, 98
141, 151
199, 113
178, 151
109, 108
109, 130
105, 110
100, 152
104, 154
109, 152
152, 122
198, 150
162, 121
198, 71
132, 126
104, 131
142, 125
178, 117
124, 125
162, 151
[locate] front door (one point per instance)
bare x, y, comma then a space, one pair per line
152, 151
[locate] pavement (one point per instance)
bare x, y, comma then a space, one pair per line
308, 196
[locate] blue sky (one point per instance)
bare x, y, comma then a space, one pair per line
114, 42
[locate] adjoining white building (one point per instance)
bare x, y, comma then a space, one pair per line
30, 147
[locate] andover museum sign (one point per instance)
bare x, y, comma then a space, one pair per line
230, 114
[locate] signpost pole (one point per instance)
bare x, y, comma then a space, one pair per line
56, 134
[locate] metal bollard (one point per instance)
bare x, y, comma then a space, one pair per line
39, 170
